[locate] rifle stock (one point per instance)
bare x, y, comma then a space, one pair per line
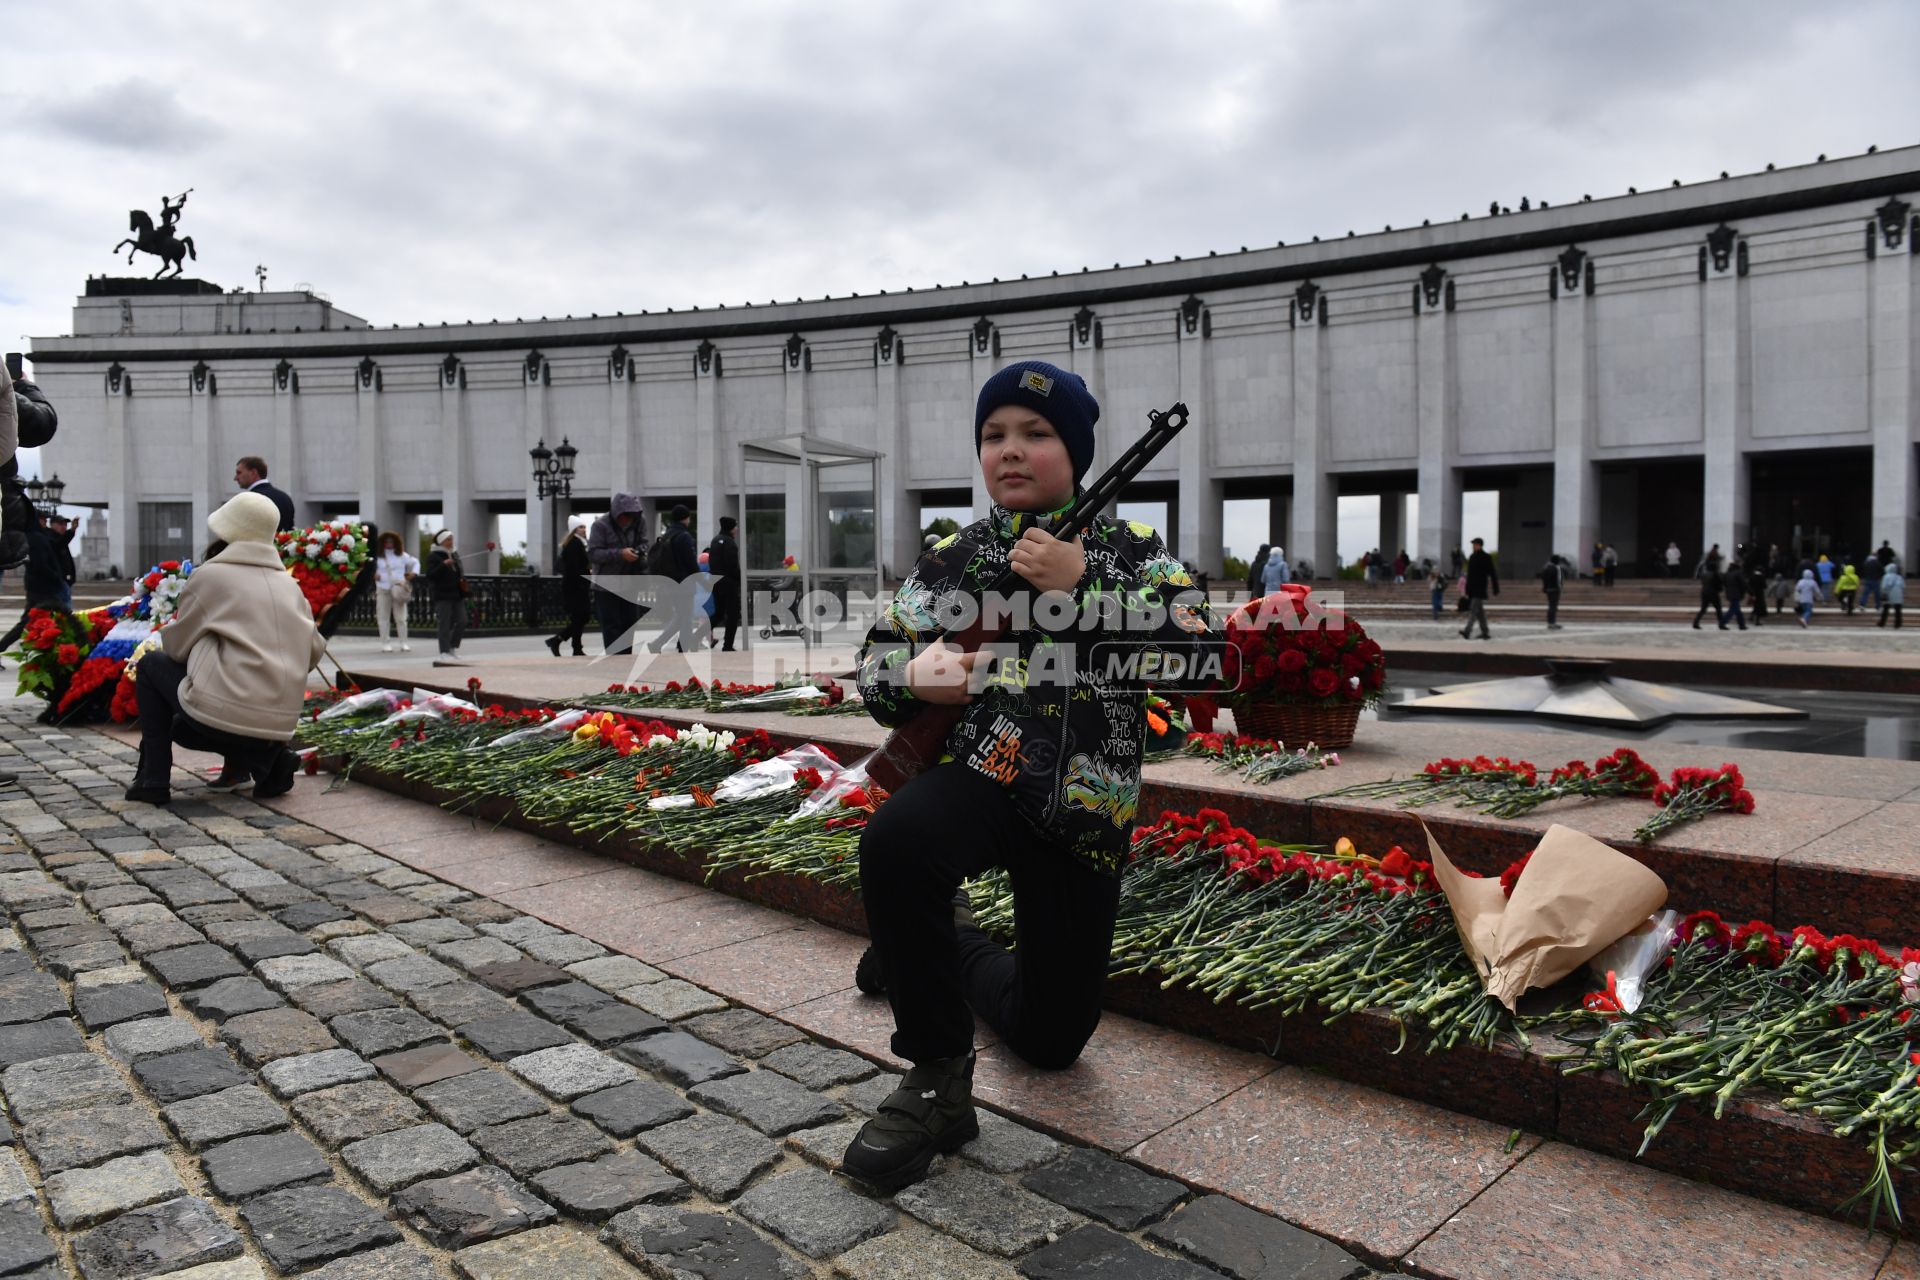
914, 747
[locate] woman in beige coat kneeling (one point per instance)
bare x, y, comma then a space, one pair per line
231, 671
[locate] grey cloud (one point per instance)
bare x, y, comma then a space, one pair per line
133, 115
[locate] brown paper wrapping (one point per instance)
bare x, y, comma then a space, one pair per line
1577, 898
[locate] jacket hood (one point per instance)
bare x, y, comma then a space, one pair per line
625, 504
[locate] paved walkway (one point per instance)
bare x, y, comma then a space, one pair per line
355, 1037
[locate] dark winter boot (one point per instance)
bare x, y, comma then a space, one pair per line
930, 1114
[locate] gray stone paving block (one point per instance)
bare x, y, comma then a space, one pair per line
673, 999
1250, 1245
350, 1112
195, 966
389, 1161
768, 1101
276, 1033
230, 998
519, 929
67, 962
421, 933
144, 940
677, 1242
289, 973
265, 1162
291, 1077
568, 1071
411, 973
122, 917
65, 1082
1095, 1253
169, 1236
813, 1213
329, 1000
520, 975
525, 1147
467, 1208
208, 913
23, 1042
867, 1096
388, 909
29, 997
119, 975
415, 1067
566, 1000
627, 1109
985, 1212
301, 1226
479, 911
717, 1155
597, 1189
826, 1145
368, 948
818, 1067
393, 1262
562, 949
23, 1244
680, 1058
513, 1034
614, 1023
302, 916
230, 1113
1096, 1184
82, 1197
263, 939
74, 1139
188, 1075
471, 1101
378, 1031
1006, 1146
459, 1003
472, 953
351, 928
117, 895
13, 1179
614, 973
914, 1253
547, 1253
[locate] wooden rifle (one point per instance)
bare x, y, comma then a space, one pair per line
917, 745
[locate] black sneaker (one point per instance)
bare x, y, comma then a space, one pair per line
278, 779
553, 643
930, 1114
141, 794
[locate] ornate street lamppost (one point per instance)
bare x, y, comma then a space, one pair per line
553, 479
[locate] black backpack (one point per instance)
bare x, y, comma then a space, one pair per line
660, 557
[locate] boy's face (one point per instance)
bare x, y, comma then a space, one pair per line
1026, 464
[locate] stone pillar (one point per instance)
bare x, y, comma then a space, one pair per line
986, 362
123, 523
1197, 538
623, 470
1896, 508
1439, 478
201, 392
1392, 516
369, 462
1575, 483
799, 361
709, 468
1086, 356
897, 511
285, 464
536, 377
1315, 527
1725, 378
469, 519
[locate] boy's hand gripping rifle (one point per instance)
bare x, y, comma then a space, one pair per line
916, 745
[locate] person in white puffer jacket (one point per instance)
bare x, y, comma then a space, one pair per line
393, 568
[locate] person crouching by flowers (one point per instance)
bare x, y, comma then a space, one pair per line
1039, 783
231, 670
394, 573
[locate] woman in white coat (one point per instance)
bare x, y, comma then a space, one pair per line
393, 575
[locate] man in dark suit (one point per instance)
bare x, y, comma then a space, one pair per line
251, 473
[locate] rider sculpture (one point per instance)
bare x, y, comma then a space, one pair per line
160, 241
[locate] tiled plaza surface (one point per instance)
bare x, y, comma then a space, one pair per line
351, 1036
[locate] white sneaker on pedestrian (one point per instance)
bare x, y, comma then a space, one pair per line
406, 648
386, 648
448, 660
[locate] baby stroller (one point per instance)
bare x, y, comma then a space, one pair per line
780, 603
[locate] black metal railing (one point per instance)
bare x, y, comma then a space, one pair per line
495, 603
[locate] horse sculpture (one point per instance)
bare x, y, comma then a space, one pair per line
172, 250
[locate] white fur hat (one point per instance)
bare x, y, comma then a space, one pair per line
245, 517
576, 522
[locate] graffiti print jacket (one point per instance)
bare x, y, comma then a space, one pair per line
1051, 724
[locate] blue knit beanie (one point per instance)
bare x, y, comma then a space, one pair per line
1055, 394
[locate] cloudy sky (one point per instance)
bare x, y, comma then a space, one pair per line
452, 161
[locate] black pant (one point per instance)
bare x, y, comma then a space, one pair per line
450, 617
618, 617
726, 609
1043, 999
163, 722
1553, 607
1894, 609
579, 609
1710, 600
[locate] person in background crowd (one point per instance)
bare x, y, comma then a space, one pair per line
1804, 592
448, 581
1551, 579
576, 587
1400, 563
723, 562
230, 674
1733, 583
1673, 560
1481, 577
616, 548
1437, 590
1711, 585
1256, 567
1609, 563
1276, 573
394, 572
1893, 594
1757, 582
677, 560
250, 473
1823, 571
1871, 572
1846, 588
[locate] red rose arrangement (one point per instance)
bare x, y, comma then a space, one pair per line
1291, 649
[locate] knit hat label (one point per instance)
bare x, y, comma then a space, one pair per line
1038, 383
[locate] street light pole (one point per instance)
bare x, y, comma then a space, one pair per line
552, 482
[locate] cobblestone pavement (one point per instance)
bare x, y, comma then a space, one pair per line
233, 1045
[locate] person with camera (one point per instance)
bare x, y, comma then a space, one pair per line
447, 581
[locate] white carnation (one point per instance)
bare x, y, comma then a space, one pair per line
346, 540
313, 550
338, 557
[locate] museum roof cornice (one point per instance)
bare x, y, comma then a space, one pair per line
1872, 176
